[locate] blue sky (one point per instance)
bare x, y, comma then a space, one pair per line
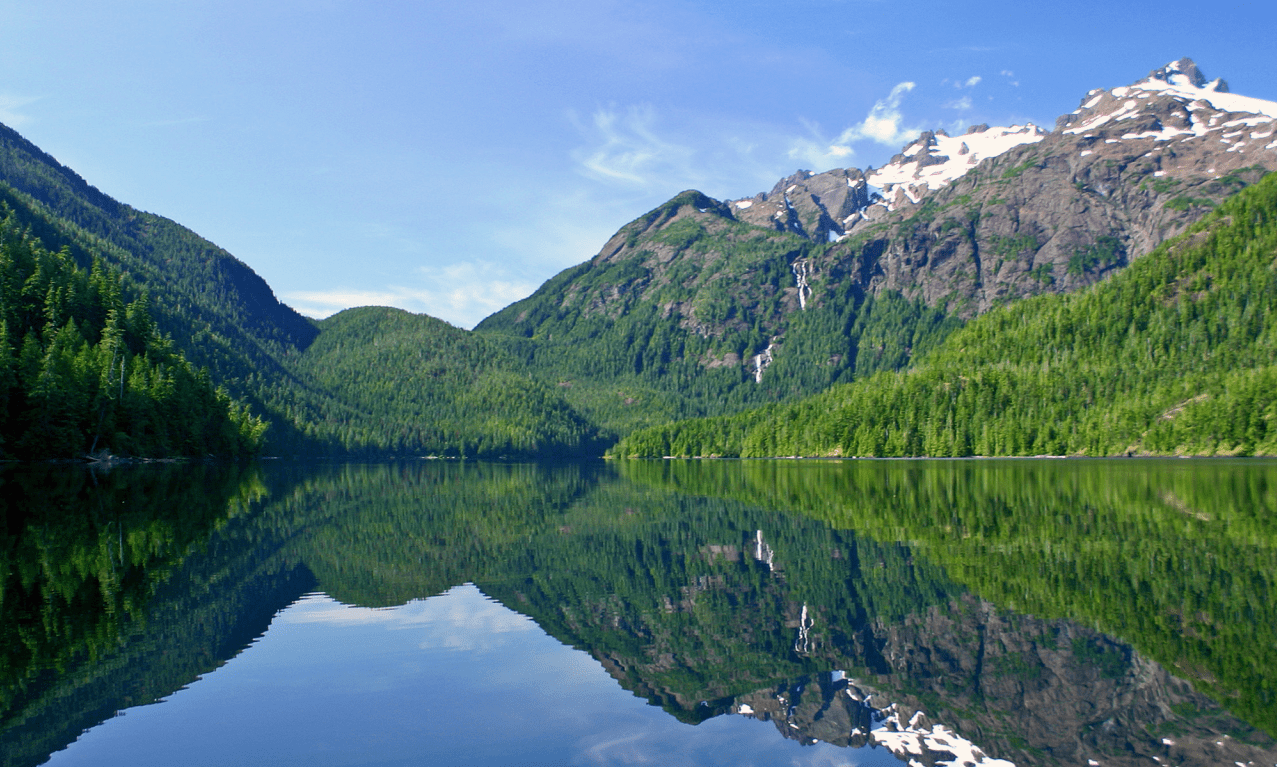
447, 158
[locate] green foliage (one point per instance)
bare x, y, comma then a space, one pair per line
81, 370
1017, 170
1173, 355
1104, 253
1184, 202
1043, 273
421, 386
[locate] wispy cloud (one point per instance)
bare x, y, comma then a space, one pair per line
472, 290
10, 106
961, 104
623, 148
461, 293
884, 125
959, 83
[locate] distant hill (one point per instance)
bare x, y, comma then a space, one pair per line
397, 367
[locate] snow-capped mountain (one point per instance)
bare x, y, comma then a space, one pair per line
1176, 104
1174, 118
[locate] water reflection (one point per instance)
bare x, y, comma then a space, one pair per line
1036, 612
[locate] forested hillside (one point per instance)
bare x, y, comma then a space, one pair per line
83, 370
1176, 354
425, 385
688, 312
704, 307
225, 318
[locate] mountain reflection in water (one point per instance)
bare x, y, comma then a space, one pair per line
1058, 612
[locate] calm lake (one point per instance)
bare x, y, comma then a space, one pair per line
1027, 612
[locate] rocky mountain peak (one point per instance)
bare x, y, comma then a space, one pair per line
935, 159
1185, 73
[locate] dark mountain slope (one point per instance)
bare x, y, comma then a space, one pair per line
219, 314
1173, 355
168, 256
380, 382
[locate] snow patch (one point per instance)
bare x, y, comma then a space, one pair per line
908, 740
1180, 86
914, 181
743, 204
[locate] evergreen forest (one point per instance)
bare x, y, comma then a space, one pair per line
83, 369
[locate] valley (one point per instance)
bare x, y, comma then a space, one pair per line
707, 308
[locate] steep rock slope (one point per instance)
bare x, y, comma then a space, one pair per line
1172, 355
1129, 168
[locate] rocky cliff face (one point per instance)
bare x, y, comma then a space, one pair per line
967, 222
1053, 212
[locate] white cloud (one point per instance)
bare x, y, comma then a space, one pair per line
973, 81
882, 125
960, 104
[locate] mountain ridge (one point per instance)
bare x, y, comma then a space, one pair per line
758, 299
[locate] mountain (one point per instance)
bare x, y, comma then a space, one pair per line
218, 311
704, 306
83, 371
223, 316
1175, 354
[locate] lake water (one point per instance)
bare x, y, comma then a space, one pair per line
675, 613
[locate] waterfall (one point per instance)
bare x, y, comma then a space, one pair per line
801, 271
